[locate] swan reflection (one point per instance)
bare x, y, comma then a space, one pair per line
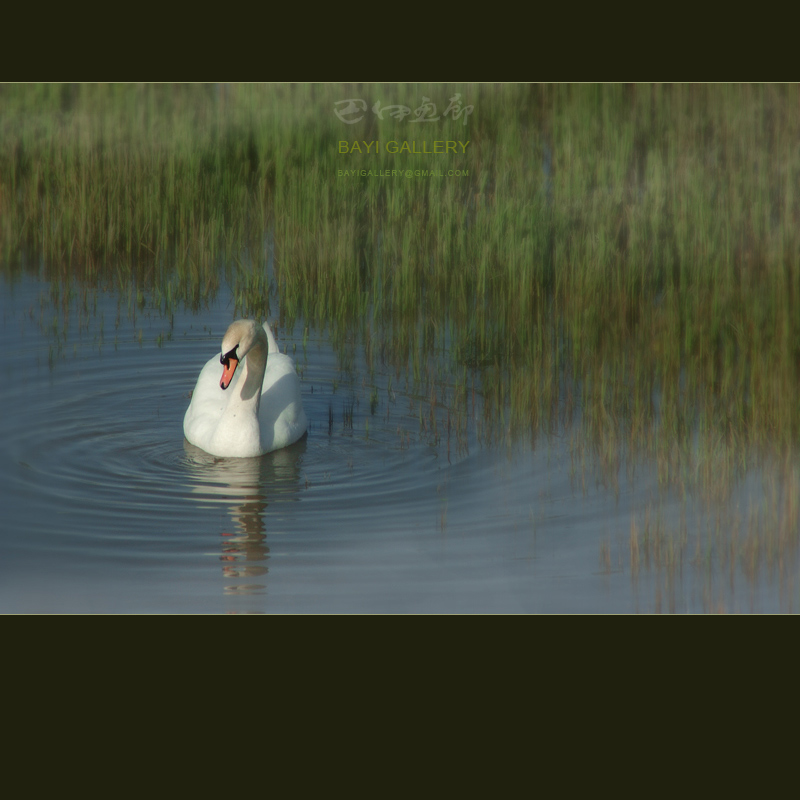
246, 488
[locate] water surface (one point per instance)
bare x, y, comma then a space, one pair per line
109, 509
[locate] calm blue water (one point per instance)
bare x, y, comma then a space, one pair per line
108, 509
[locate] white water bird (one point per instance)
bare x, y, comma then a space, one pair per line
248, 412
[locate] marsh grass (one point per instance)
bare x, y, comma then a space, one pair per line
751, 541
624, 258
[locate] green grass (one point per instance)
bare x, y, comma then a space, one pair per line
625, 256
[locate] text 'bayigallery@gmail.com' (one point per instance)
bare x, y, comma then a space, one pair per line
402, 173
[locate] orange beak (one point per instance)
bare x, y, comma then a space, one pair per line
229, 365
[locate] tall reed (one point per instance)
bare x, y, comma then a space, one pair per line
630, 253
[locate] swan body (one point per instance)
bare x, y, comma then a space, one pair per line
251, 410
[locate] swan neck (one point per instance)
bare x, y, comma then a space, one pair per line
255, 364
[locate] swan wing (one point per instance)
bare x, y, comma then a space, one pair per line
281, 416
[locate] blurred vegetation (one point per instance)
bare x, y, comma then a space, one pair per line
625, 255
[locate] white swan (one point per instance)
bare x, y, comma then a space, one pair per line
261, 412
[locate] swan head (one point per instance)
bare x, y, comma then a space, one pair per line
238, 340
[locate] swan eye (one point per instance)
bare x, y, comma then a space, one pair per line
225, 358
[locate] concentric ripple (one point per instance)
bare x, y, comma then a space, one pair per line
102, 478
